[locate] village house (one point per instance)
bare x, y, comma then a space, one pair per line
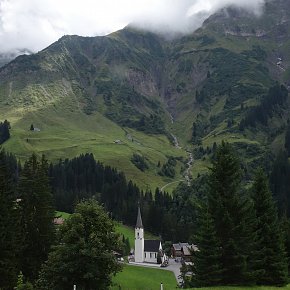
183, 251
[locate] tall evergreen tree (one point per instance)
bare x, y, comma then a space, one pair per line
233, 217
9, 228
36, 215
287, 141
270, 235
207, 267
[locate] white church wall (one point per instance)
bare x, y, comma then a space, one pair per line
139, 245
150, 257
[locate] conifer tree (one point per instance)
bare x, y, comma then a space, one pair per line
36, 215
233, 217
270, 235
9, 229
287, 141
207, 267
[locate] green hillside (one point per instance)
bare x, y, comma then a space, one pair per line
132, 91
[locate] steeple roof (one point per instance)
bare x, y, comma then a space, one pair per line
139, 223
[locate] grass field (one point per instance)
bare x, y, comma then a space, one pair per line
140, 278
244, 288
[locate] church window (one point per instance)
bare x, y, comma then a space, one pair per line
150, 255
145, 255
155, 255
138, 235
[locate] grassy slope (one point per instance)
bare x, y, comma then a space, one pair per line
67, 132
139, 278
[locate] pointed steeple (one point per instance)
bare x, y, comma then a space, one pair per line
139, 219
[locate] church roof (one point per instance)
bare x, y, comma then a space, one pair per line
151, 245
139, 223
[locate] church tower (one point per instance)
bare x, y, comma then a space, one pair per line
139, 239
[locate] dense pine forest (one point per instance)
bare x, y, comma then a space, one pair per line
232, 224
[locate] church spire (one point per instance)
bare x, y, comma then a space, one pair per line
139, 219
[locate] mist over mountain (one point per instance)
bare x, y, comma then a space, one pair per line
34, 25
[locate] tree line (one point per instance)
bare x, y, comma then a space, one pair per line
34, 254
233, 227
240, 239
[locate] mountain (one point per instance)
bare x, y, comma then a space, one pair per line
136, 92
7, 57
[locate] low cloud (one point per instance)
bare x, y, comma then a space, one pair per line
34, 24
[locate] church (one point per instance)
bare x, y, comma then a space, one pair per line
147, 251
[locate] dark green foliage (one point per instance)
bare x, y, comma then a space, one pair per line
168, 169
287, 141
276, 97
83, 254
227, 68
280, 183
10, 243
84, 177
152, 124
4, 131
123, 107
37, 215
198, 129
139, 161
125, 246
274, 268
21, 285
233, 217
207, 267
256, 53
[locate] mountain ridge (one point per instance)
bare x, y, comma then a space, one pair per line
198, 87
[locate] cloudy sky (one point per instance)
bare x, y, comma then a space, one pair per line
34, 24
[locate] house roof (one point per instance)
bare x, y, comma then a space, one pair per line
139, 223
151, 245
179, 246
187, 250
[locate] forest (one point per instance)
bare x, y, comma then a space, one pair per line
226, 219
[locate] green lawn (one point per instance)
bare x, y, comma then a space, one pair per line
244, 288
140, 278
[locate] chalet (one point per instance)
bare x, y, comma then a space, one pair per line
177, 249
187, 252
183, 250
147, 251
